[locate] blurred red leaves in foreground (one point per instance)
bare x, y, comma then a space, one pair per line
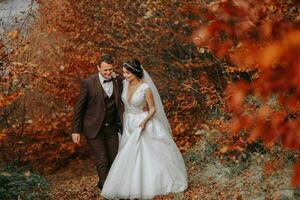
263, 36
296, 177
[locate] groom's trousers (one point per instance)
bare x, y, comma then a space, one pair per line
105, 148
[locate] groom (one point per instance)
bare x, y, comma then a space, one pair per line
98, 115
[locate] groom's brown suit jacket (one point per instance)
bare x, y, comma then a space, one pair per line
89, 111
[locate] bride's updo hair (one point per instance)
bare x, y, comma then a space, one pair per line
134, 66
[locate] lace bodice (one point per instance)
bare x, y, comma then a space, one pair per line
137, 100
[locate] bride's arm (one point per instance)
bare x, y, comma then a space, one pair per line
151, 106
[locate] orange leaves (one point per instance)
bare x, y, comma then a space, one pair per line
208, 36
270, 44
290, 135
243, 122
269, 167
223, 48
269, 55
237, 98
266, 29
223, 149
3, 136
7, 100
13, 34
284, 48
248, 27
264, 112
243, 54
296, 175
200, 36
236, 94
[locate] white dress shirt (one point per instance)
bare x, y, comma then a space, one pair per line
108, 87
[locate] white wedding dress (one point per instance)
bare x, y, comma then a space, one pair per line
148, 162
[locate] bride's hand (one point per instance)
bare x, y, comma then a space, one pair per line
142, 125
145, 107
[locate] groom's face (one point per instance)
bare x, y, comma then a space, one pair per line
105, 69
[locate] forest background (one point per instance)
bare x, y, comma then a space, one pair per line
228, 73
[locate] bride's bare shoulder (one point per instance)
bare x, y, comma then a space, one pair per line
146, 87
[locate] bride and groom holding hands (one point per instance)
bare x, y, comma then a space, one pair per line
144, 161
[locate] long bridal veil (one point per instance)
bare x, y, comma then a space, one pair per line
160, 114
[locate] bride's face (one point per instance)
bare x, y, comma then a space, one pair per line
128, 75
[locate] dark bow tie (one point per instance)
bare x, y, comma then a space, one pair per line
107, 80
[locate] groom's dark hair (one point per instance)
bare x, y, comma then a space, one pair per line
106, 58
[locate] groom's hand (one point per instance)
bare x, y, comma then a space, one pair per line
76, 138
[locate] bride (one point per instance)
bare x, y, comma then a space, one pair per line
148, 161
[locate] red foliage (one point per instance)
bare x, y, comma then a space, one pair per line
296, 178
261, 35
270, 42
62, 46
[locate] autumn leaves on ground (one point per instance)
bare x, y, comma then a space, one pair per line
254, 174
228, 72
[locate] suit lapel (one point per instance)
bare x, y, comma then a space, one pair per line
99, 88
116, 90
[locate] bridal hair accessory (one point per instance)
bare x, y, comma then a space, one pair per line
128, 65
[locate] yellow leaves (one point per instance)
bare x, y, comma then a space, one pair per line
61, 68
13, 34
272, 8
30, 121
230, 69
226, 149
223, 149
148, 14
